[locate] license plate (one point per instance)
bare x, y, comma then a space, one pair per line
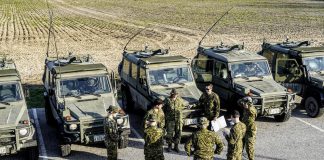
98, 138
275, 111
190, 121
3, 150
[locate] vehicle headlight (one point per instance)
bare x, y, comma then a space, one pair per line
23, 132
120, 121
73, 127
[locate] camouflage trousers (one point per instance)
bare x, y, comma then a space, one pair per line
112, 150
234, 154
249, 142
174, 131
199, 158
153, 153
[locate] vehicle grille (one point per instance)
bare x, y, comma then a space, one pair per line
7, 137
93, 127
274, 101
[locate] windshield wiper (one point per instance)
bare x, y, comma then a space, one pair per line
5, 103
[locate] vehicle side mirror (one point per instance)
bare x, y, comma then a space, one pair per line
26, 92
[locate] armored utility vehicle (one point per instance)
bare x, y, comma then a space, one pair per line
77, 93
17, 132
236, 73
150, 74
299, 67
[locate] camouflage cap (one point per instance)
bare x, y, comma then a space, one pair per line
112, 109
247, 99
203, 121
173, 91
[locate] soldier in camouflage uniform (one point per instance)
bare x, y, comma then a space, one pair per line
173, 107
156, 110
235, 138
153, 137
209, 102
111, 133
203, 142
249, 115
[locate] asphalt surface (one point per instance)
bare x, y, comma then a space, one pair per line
299, 138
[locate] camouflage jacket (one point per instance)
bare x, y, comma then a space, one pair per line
111, 130
203, 142
153, 138
160, 117
235, 141
173, 109
210, 104
249, 116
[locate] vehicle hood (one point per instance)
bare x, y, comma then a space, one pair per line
90, 108
10, 115
190, 94
260, 88
318, 80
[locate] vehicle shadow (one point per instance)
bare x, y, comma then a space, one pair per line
35, 98
78, 155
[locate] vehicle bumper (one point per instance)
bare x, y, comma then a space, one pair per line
12, 148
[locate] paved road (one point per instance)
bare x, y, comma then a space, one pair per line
299, 138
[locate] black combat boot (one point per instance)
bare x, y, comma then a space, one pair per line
176, 148
169, 147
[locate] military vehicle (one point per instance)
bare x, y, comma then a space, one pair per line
17, 132
299, 67
236, 73
150, 74
77, 93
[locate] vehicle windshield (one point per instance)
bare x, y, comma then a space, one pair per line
250, 69
84, 85
170, 75
314, 64
10, 92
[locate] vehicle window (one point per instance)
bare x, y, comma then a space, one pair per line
142, 77
10, 92
170, 75
126, 66
287, 66
314, 64
269, 55
250, 69
221, 70
134, 71
84, 85
203, 64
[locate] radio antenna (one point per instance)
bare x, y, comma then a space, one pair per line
134, 37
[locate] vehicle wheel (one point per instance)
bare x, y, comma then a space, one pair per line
65, 149
127, 102
32, 153
312, 107
283, 117
123, 142
48, 112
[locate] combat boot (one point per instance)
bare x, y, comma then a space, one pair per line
176, 148
169, 147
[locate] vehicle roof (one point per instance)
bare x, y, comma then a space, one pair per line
234, 55
7, 67
64, 65
148, 57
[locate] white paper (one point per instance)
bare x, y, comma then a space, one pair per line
218, 124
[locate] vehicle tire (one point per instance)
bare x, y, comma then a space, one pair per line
283, 117
312, 107
48, 112
128, 104
65, 149
32, 153
123, 142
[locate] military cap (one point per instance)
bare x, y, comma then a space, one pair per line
112, 109
157, 102
247, 99
173, 91
203, 121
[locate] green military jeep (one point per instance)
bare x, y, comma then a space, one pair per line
299, 67
77, 93
236, 73
150, 74
17, 132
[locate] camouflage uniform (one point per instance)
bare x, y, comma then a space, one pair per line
203, 142
111, 138
235, 141
153, 148
249, 116
173, 118
210, 105
159, 115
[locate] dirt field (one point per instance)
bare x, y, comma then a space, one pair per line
101, 28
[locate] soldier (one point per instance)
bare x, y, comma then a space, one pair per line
209, 102
203, 142
156, 110
235, 138
173, 107
111, 133
153, 137
249, 115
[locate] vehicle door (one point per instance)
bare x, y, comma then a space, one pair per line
202, 68
142, 88
221, 79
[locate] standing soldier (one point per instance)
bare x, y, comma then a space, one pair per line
203, 142
173, 107
153, 137
156, 110
111, 133
249, 115
235, 138
209, 102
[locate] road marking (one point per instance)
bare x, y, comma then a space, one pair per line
138, 135
320, 129
43, 153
